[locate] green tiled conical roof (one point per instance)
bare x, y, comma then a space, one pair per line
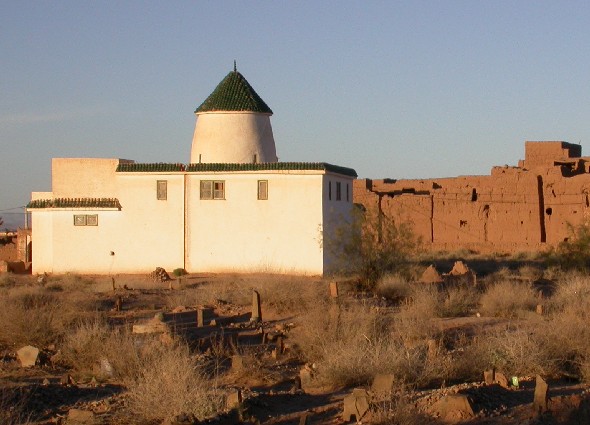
234, 93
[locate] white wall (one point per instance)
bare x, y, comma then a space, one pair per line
233, 137
244, 234
336, 219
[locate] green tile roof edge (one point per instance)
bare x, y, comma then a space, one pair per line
227, 167
150, 167
81, 203
272, 166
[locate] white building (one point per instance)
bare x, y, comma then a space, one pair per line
234, 208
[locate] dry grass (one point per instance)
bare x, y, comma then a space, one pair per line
509, 299
171, 381
40, 316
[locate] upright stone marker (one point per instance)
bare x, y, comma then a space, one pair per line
28, 355
382, 387
489, 376
334, 289
200, 317
541, 395
356, 404
256, 310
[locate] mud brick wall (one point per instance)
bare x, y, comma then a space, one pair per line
513, 209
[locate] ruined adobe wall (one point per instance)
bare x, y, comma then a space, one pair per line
511, 210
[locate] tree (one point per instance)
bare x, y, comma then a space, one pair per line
372, 244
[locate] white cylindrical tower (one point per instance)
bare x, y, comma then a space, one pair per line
233, 125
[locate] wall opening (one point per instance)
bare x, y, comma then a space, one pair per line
549, 211
473, 195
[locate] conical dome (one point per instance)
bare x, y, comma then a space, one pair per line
234, 93
233, 125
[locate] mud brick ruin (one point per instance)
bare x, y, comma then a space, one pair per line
515, 209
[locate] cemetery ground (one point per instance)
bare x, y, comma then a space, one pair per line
199, 349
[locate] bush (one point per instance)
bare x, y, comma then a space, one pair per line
574, 252
508, 299
171, 382
373, 245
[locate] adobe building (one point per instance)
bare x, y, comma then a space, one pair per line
528, 207
233, 208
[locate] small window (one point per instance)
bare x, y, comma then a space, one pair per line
338, 191
218, 190
347, 192
86, 220
162, 190
263, 190
80, 220
329, 191
212, 189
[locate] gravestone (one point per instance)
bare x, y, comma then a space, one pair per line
28, 355
234, 400
489, 376
382, 387
454, 404
305, 419
500, 379
541, 395
306, 377
334, 289
256, 309
356, 404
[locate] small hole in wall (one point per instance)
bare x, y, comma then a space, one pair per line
462, 223
112, 253
566, 239
549, 211
521, 222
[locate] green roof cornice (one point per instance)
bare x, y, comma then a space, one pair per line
271, 166
234, 94
81, 203
150, 167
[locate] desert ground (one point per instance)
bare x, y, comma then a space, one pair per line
133, 349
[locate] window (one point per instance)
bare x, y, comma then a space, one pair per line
329, 191
86, 220
338, 191
263, 189
347, 193
212, 189
162, 190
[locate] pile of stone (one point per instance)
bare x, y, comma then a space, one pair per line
160, 275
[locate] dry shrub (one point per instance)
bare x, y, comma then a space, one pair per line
508, 299
352, 344
515, 350
458, 301
530, 273
38, 316
93, 342
170, 382
394, 287
400, 409
13, 403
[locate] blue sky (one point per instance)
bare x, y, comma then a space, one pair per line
393, 89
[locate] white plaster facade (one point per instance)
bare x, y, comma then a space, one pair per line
284, 233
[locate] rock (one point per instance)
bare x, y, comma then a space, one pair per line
80, 417
182, 419
28, 355
106, 368
306, 377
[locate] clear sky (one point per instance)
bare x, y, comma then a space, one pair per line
393, 89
